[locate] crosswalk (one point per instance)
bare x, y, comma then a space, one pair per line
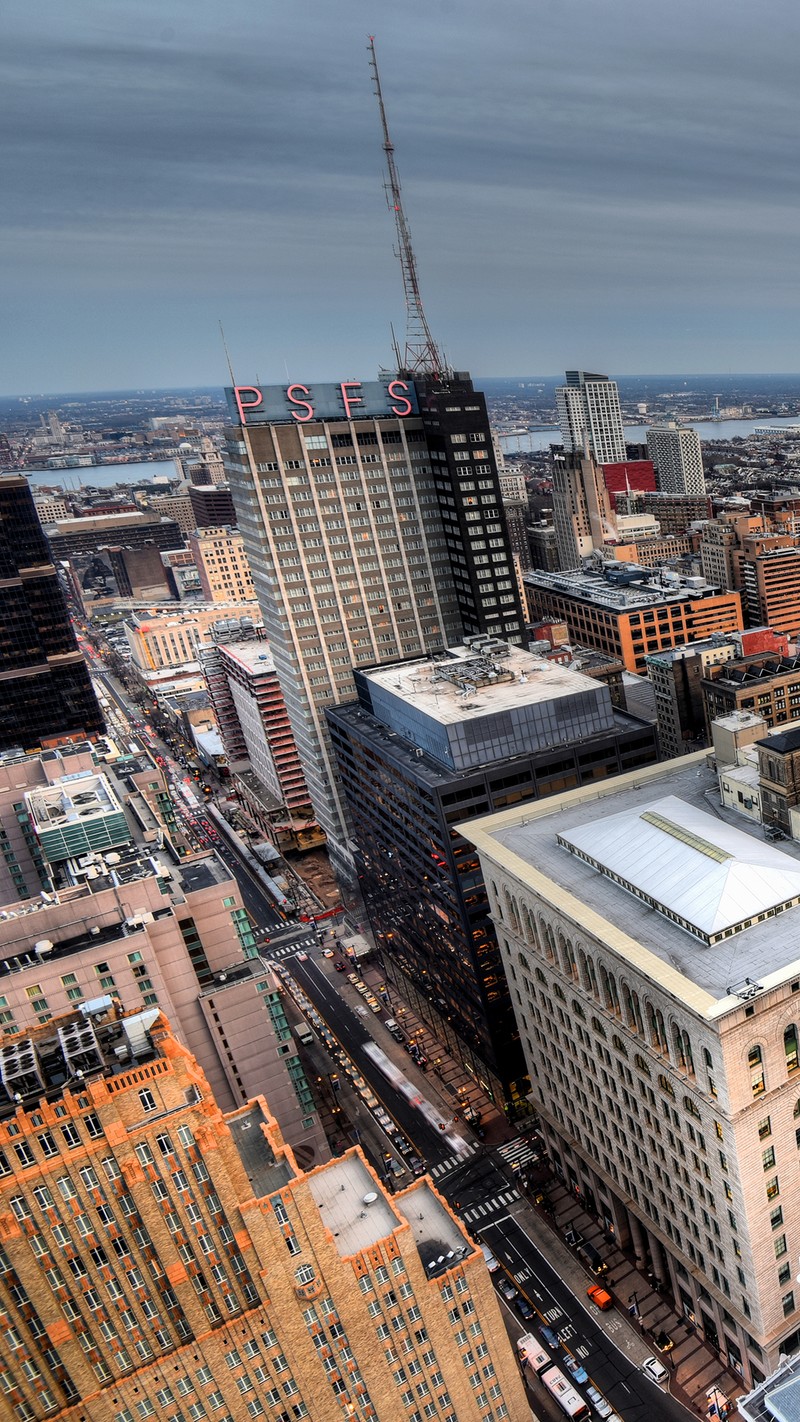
277, 952
453, 1160
519, 1153
490, 1207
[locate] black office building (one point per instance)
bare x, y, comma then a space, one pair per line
46, 693
430, 745
462, 455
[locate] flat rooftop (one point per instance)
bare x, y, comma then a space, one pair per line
533, 833
265, 1171
251, 656
619, 597
438, 1237
351, 1205
468, 683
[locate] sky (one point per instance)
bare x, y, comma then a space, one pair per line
605, 184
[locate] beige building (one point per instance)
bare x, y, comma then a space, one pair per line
222, 564
163, 637
177, 507
162, 1259
647, 934
582, 512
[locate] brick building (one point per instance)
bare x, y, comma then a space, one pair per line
162, 1259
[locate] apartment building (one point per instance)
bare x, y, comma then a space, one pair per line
161, 1258
165, 637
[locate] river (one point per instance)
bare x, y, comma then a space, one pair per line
103, 476
712, 430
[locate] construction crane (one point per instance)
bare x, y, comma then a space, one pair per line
421, 355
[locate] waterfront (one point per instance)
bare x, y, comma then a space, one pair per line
710, 431
103, 476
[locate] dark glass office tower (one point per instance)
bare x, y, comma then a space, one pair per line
45, 690
459, 436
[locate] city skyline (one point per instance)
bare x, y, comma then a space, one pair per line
172, 169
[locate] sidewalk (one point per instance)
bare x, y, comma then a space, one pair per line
695, 1367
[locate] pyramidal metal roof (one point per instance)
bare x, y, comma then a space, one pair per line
711, 878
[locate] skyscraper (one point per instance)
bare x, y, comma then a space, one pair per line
46, 690
160, 1255
589, 410
373, 525
582, 510
677, 457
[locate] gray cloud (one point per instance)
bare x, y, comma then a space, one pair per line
587, 180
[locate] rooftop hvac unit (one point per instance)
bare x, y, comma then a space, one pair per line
80, 1047
20, 1069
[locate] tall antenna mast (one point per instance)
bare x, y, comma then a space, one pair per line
421, 355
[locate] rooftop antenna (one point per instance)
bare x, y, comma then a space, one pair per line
227, 355
421, 355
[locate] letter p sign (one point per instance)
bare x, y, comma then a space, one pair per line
244, 405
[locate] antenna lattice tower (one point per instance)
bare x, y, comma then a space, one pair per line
422, 355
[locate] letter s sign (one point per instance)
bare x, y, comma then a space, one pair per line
392, 389
290, 395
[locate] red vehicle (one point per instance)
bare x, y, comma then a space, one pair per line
340, 966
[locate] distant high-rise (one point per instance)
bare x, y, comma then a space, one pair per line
589, 411
46, 693
582, 510
677, 457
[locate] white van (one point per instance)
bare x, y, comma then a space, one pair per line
492, 1264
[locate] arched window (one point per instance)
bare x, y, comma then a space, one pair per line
790, 1047
662, 1032
497, 899
682, 1048
666, 1085
707, 1058
569, 959
796, 1111
633, 1011
512, 911
755, 1061
610, 994
588, 975
692, 1107
598, 1028
618, 1045
578, 1010
640, 1063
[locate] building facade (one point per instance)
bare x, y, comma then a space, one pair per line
427, 744
212, 505
677, 457
582, 511
46, 694
649, 947
160, 1257
771, 578
165, 637
222, 564
590, 417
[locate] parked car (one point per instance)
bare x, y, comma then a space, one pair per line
417, 1167
492, 1263
523, 1308
550, 1337
655, 1370
577, 1369
397, 1169
601, 1407
506, 1288
340, 967
600, 1296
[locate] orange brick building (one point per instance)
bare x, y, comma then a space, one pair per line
161, 1259
631, 619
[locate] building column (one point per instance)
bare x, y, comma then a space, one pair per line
639, 1240
621, 1223
660, 1268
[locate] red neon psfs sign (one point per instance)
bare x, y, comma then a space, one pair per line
350, 399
